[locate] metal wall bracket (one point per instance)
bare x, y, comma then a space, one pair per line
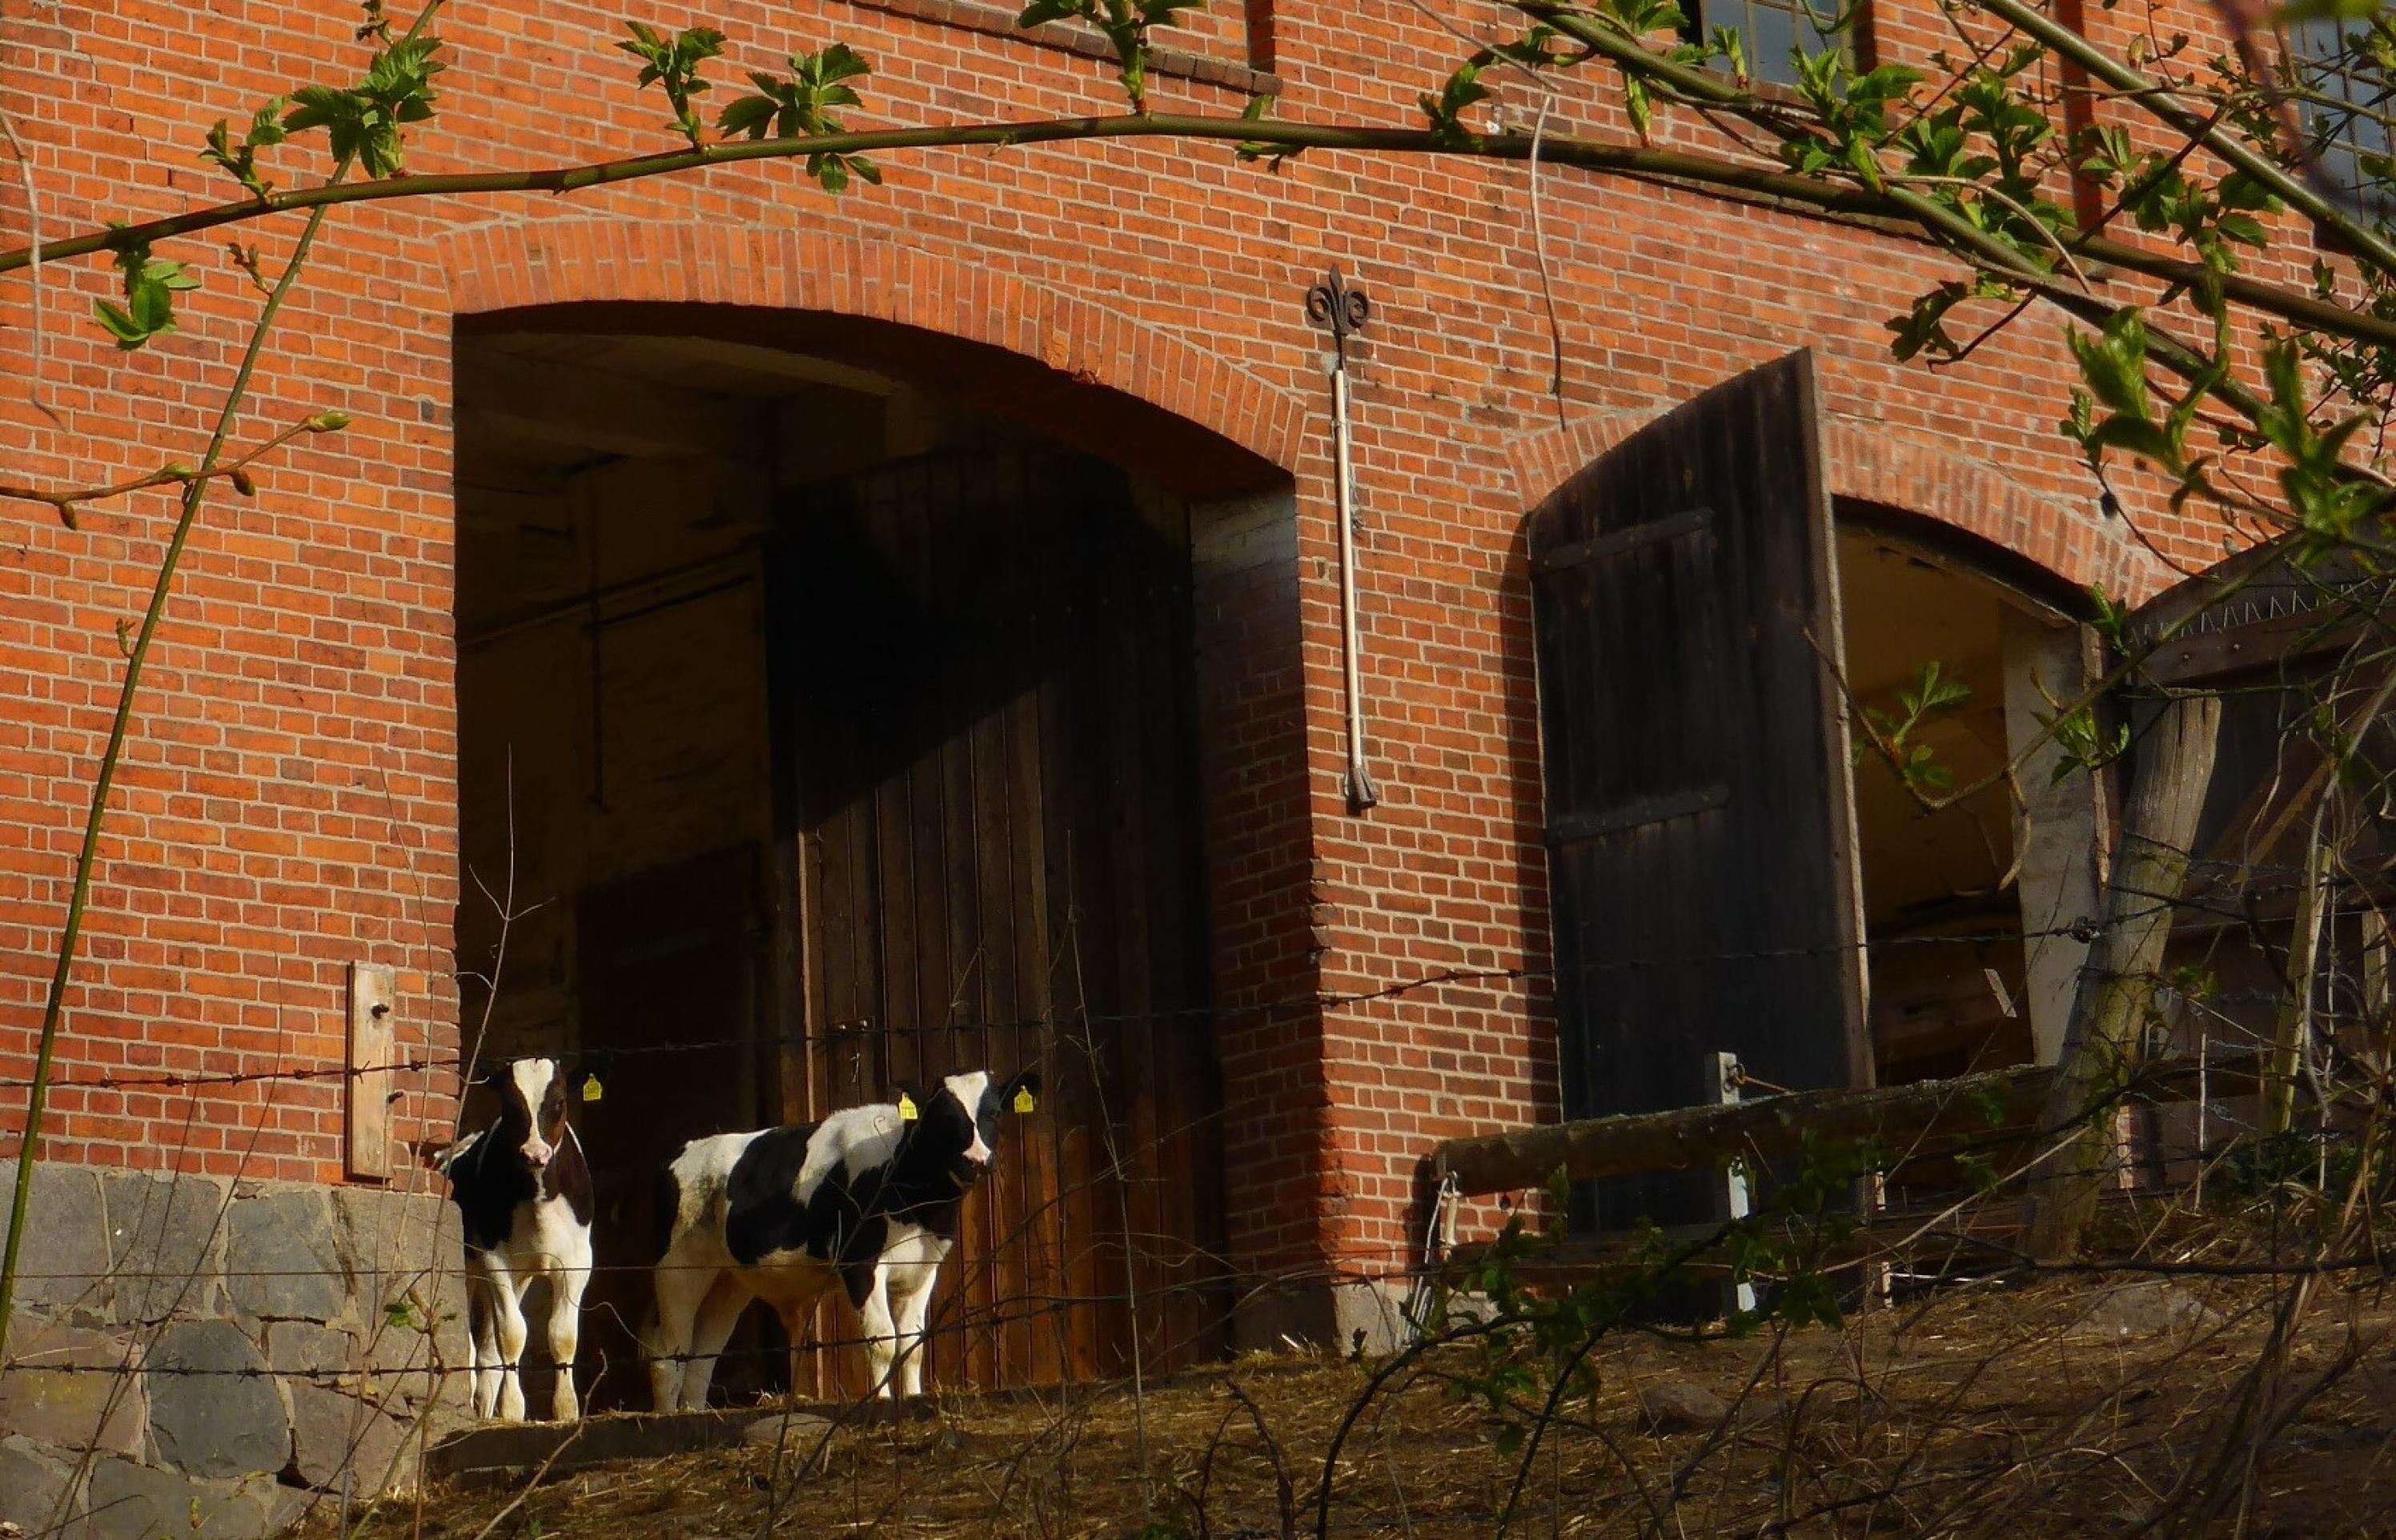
1333, 306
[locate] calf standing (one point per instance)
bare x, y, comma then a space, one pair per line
867, 1199
523, 1192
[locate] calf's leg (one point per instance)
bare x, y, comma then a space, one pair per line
910, 1271
565, 1333
880, 1332
682, 1286
482, 1317
718, 1313
511, 1331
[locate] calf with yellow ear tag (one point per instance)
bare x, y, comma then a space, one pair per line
869, 1199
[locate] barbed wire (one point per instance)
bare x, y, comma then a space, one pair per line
2082, 929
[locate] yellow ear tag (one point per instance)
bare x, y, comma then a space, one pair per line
590, 1091
906, 1107
1023, 1102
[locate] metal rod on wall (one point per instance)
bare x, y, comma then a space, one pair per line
1333, 307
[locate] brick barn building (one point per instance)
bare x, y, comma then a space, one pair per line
862, 636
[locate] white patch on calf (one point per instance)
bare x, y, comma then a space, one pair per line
855, 1138
969, 1091
528, 1080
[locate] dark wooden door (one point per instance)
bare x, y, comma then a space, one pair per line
669, 966
984, 703
1702, 859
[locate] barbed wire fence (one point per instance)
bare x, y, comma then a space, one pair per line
427, 1279
413, 1275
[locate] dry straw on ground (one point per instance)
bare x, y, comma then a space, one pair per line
2068, 1407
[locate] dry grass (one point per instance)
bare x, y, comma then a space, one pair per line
1997, 1414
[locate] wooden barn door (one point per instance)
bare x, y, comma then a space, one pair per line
1701, 858
984, 701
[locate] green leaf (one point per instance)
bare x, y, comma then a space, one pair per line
363, 123
751, 116
673, 62
129, 334
1463, 89
2137, 436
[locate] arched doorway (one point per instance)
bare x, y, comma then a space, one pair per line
833, 703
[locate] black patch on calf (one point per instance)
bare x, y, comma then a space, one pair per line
487, 1184
761, 1207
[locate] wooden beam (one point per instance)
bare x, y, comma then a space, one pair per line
1693, 1137
2158, 827
571, 407
366, 1146
1690, 1137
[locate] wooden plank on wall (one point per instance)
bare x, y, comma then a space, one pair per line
374, 1003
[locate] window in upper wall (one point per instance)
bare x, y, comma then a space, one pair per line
1769, 33
2343, 98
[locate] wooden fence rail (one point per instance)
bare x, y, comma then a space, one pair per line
1689, 1137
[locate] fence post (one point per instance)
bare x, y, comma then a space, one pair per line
1723, 1077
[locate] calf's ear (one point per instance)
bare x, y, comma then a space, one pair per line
911, 1098
1022, 1093
584, 1084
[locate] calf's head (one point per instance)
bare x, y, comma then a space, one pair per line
532, 1107
956, 1123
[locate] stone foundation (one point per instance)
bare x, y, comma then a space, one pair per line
188, 1352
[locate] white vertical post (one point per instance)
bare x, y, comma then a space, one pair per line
1722, 1076
1883, 1272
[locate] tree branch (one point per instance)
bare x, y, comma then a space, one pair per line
169, 475
1816, 195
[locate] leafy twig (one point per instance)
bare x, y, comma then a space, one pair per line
175, 473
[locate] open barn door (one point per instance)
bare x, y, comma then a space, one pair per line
1699, 824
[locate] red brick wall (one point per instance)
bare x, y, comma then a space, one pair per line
287, 804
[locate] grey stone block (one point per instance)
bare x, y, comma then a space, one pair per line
213, 1408
279, 1506
65, 1259
132, 1502
166, 1245
391, 1241
405, 1251
2160, 1308
332, 1432
32, 1483
74, 1388
282, 1261
303, 1347
1679, 1406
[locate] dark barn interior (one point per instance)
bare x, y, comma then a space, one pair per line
823, 733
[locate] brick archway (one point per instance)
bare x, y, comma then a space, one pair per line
525, 263
1872, 462
994, 341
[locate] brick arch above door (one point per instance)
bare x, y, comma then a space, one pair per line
522, 264
1871, 462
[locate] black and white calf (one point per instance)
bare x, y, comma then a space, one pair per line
523, 1192
867, 1199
